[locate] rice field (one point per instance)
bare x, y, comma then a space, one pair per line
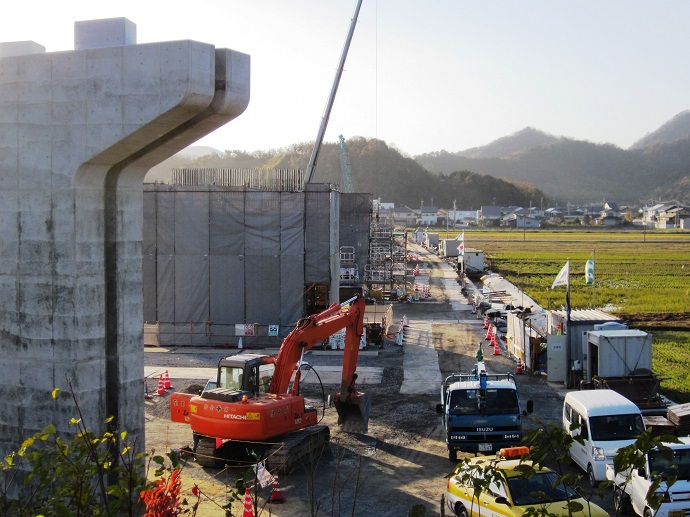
640, 275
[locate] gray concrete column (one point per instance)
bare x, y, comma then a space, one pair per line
78, 132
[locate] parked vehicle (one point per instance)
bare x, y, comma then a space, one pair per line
481, 411
606, 421
257, 403
631, 492
512, 493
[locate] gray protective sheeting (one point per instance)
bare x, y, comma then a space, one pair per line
219, 256
355, 222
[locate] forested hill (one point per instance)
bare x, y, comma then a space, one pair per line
378, 169
579, 171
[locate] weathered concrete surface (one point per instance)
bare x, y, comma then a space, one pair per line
78, 132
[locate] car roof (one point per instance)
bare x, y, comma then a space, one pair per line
490, 384
507, 466
601, 402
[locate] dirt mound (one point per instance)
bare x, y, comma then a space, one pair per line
665, 321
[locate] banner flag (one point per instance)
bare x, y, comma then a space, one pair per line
589, 272
563, 277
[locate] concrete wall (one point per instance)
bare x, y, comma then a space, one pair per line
78, 132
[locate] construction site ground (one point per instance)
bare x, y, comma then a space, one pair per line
402, 462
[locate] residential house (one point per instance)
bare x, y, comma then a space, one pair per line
673, 216
519, 220
490, 215
405, 216
463, 217
610, 215
428, 216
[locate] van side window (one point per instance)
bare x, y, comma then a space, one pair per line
567, 412
584, 431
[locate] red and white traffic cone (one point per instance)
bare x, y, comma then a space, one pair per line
276, 496
486, 322
495, 343
518, 368
248, 510
168, 384
489, 333
161, 386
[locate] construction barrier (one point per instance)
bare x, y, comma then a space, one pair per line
248, 510
276, 496
166, 379
161, 386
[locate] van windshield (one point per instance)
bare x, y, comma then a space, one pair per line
616, 427
496, 402
678, 465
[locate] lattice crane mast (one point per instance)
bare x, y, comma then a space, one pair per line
345, 168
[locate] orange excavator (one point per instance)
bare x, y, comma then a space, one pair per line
256, 404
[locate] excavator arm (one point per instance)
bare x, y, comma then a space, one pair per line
315, 329
352, 406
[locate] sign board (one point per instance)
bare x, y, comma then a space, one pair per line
273, 330
244, 329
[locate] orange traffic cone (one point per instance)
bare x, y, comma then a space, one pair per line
248, 510
489, 334
518, 369
168, 384
161, 386
486, 322
276, 495
495, 343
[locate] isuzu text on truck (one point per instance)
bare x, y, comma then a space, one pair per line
481, 411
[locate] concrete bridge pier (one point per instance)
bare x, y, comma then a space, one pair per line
78, 132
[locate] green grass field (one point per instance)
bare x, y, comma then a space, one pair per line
643, 276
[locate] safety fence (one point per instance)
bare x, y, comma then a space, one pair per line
291, 180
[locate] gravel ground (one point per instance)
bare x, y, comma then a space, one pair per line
400, 463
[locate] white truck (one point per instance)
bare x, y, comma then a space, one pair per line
631, 487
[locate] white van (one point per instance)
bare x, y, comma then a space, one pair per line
631, 487
608, 421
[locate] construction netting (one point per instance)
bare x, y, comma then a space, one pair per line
355, 223
221, 259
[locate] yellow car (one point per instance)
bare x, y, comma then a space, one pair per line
510, 492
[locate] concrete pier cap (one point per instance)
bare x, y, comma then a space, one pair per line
78, 132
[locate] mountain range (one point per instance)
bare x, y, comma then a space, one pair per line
505, 171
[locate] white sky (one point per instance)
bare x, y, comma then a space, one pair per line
422, 75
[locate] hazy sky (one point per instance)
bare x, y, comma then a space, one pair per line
422, 75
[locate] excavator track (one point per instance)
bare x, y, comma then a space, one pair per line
206, 453
283, 455
297, 449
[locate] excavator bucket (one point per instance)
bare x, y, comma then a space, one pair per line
353, 414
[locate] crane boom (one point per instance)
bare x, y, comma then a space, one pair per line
331, 97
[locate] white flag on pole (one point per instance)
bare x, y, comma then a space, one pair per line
563, 276
461, 246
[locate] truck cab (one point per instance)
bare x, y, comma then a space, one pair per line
481, 412
632, 491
